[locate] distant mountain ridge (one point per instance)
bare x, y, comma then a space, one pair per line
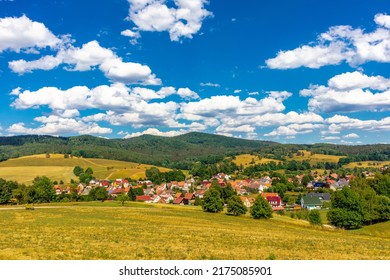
175, 152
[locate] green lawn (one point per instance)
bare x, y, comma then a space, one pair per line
98, 230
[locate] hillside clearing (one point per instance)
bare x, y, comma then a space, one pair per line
248, 159
25, 169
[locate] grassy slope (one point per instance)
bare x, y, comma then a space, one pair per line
316, 158
246, 159
378, 164
25, 169
143, 231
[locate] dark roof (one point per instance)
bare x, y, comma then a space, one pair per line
322, 196
311, 199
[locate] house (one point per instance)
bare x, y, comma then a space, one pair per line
245, 201
311, 201
189, 196
179, 200
200, 193
145, 198
322, 196
58, 189
116, 191
273, 199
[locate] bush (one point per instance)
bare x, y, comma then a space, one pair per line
315, 217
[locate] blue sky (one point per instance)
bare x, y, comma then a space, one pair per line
288, 71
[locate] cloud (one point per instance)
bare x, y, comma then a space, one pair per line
330, 138
351, 135
186, 93
237, 91
382, 20
22, 66
131, 34
294, 129
21, 33
308, 56
243, 128
253, 93
350, 92
86, 58
135, 35
114, 97
340, 123
121, 105
155, 131
54, 125
210, 85
339, 44
358, 80
183, 21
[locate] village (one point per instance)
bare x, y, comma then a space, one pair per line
314, 194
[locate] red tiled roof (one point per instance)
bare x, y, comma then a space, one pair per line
178, 200
143, 198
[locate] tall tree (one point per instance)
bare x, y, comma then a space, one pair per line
122, 198
212, 201
261, 208
131, 194
235, 206
44, 189
348, 209
6, 189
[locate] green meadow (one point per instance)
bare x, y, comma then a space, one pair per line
96, 230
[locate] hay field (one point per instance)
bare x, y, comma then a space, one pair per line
246, 159
25, 169
315, 158
142, 231
365, 164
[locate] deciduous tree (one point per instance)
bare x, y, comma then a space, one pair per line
261, 208
235, 206
212, 201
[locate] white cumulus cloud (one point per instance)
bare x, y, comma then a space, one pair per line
155, 131
18, 33
184, 20
339, 44
86, 58
350, 92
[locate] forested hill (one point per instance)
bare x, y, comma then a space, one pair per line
176, 152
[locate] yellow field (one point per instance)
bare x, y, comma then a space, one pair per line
374, 164
246, 159
143, 231
316, 158
25, 169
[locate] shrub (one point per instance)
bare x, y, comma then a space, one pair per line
315, 217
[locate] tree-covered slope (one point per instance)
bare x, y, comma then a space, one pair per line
175, 152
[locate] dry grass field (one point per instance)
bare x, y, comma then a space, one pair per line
316, 158
25, 169
365, 164
247, 159
141, 231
